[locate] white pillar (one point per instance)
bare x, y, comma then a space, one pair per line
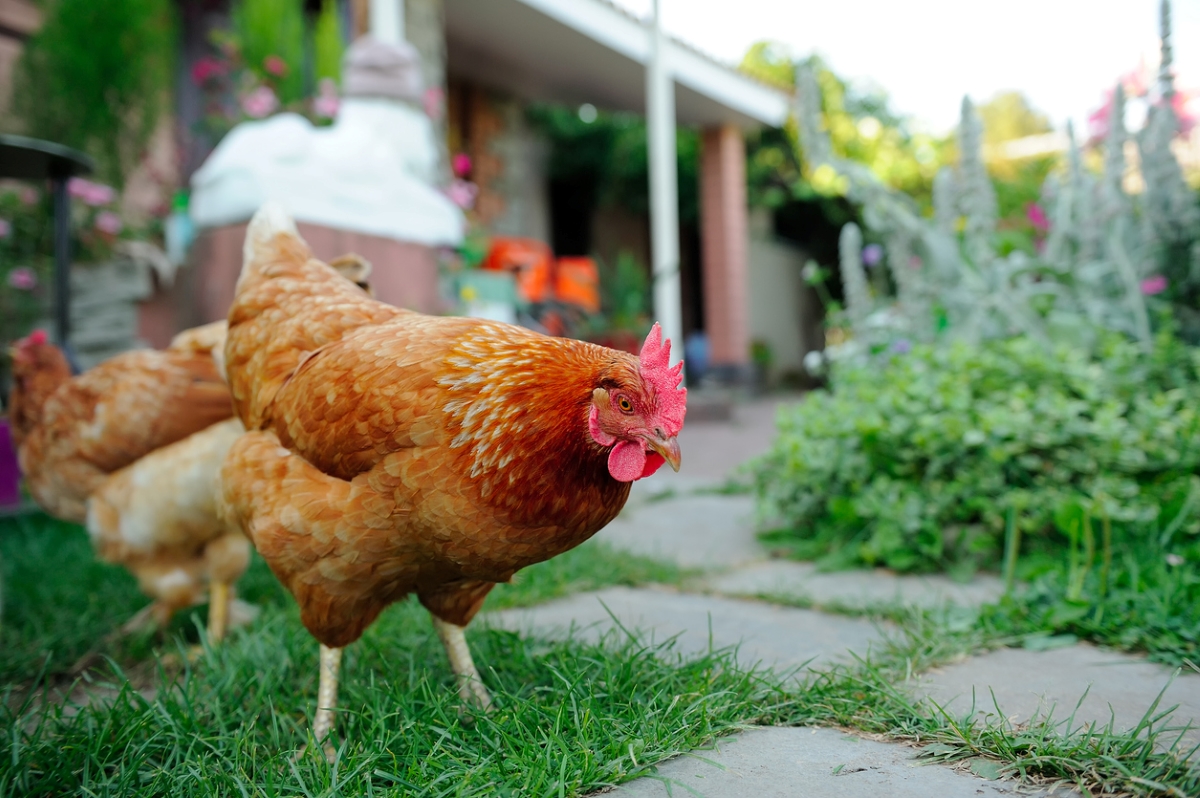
664, 189
387, 21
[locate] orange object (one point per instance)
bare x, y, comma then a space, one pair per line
532, 262
578, 283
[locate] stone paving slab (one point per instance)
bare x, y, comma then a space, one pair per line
775, 636
693, 530
861, 588
1027, 682
813, 763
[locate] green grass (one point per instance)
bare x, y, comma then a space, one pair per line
59, 600
572, 716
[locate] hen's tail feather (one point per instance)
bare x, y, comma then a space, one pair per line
269, 221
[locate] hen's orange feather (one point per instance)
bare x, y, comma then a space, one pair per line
398, 453
89, 426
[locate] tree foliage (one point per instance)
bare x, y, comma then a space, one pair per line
861, 126
96, 77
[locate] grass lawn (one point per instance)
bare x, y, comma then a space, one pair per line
572, 717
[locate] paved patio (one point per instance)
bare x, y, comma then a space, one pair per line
679, 517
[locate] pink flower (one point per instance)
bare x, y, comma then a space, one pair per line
5, 228
29, 195
206, 69
326, 103
1187, 109
109, 222
1037, 217
260, 102
462, 193
1097, 120
22, 279
1154, 285
461, 164
275, 66
434, 100
94, 194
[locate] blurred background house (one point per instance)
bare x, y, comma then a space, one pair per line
497, 78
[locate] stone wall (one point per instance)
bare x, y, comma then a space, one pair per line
104, 309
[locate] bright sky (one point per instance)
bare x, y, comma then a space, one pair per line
1062, 54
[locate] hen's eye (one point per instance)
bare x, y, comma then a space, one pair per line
625, 405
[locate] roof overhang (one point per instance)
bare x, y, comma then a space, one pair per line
587, 51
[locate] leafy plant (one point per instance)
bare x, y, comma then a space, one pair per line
96, 77
625, 288
270, 38
261, 67
917, 463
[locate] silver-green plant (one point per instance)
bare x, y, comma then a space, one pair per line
1105, 251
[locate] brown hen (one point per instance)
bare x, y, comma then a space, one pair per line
391, 453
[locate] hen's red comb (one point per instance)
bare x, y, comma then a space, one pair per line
37, 337
657, 370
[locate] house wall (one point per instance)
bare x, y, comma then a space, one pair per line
508, 160
784, 312
19, 19
403, 274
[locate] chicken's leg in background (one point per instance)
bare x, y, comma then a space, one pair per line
227, 558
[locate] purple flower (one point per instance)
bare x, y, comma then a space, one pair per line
901, 346
260, 102
22, 279
326, 103
94, 194
871, 255
1154, 285
5, 228
109, 222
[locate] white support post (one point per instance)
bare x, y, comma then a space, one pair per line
664, 188
387, 21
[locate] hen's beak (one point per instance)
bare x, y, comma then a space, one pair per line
668, 448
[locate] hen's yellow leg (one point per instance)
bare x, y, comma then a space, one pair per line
470, 686
218, 611
327, 690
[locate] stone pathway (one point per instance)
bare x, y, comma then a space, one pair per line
683, 518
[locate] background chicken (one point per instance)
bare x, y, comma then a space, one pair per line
73, 432
158, 518
391, 453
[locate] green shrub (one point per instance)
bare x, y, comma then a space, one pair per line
916, 464
96, 77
